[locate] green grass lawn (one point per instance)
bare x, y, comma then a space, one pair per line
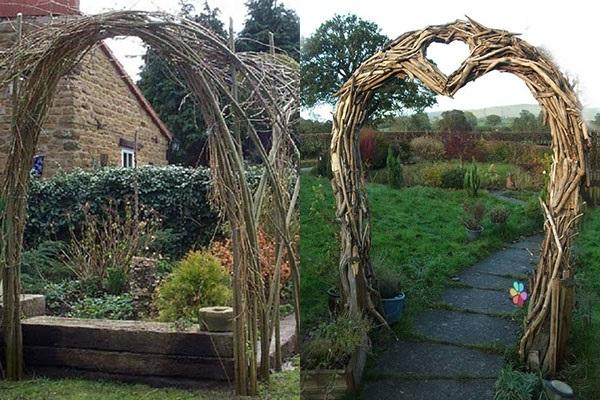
284, 385
584, 369
416, 230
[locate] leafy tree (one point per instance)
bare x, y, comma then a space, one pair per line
164, 90
313, 126
335, 50
266, 16
525, 122
472, 119
493, 121
541, 126
417, 122
454, 121
420, 122
596, 120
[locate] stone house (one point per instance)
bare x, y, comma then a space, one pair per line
97, 111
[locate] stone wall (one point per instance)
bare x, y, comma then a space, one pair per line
94, 112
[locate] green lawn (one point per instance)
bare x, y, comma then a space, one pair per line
416, 230
584, 370
284, 385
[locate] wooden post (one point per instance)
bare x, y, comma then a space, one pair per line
12, 229
271, 43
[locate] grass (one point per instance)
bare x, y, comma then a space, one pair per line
284, 385
417, 231
583, 371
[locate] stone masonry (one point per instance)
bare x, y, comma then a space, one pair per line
95, 113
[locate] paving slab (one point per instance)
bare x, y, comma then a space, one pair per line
479, 300
464, 328
429, 389
508, 262
482, 280
433, 360
531, 243
449, 370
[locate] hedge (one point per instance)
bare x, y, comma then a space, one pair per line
178, 194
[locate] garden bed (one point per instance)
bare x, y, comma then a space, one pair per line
333, 383
134, 351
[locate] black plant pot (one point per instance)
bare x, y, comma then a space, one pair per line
334, 301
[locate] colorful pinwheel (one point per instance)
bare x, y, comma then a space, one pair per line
518, 294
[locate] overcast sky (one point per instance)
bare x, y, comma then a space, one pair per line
567, 30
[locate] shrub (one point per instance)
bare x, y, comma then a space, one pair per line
403, 151
474, 212
179, 195
312, 146
373, 148
395, 177
427, 148
472, 181
268, 255
108, 307
499, 215
323, 167
199, 280
43, 263
498, 151
453, 178
60, 297
331, 344
431, 175
106, 243
463, 146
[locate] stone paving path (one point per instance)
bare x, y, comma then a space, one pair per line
450, 361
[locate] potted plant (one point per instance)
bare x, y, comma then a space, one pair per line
334, 301
333, 358
499, 215
392, 297
474, 212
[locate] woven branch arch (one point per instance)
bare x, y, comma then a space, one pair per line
237, 93
547, 323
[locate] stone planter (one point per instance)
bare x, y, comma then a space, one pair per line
216, 319
557, 390
473, 235
394, 308
330, 384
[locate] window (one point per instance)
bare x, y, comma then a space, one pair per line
127, 158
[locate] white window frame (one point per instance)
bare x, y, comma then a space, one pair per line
127, 157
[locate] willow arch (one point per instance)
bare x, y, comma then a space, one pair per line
227, 87
547, 323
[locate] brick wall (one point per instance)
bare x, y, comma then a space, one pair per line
93, 112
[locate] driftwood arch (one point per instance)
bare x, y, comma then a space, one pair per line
236, 92
547, 324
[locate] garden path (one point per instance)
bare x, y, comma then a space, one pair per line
458, 347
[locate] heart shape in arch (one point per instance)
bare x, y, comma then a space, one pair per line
490, 49
447, 57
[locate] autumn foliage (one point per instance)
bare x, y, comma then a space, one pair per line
268, 256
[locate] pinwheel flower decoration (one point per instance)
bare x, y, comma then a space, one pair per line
518, 294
